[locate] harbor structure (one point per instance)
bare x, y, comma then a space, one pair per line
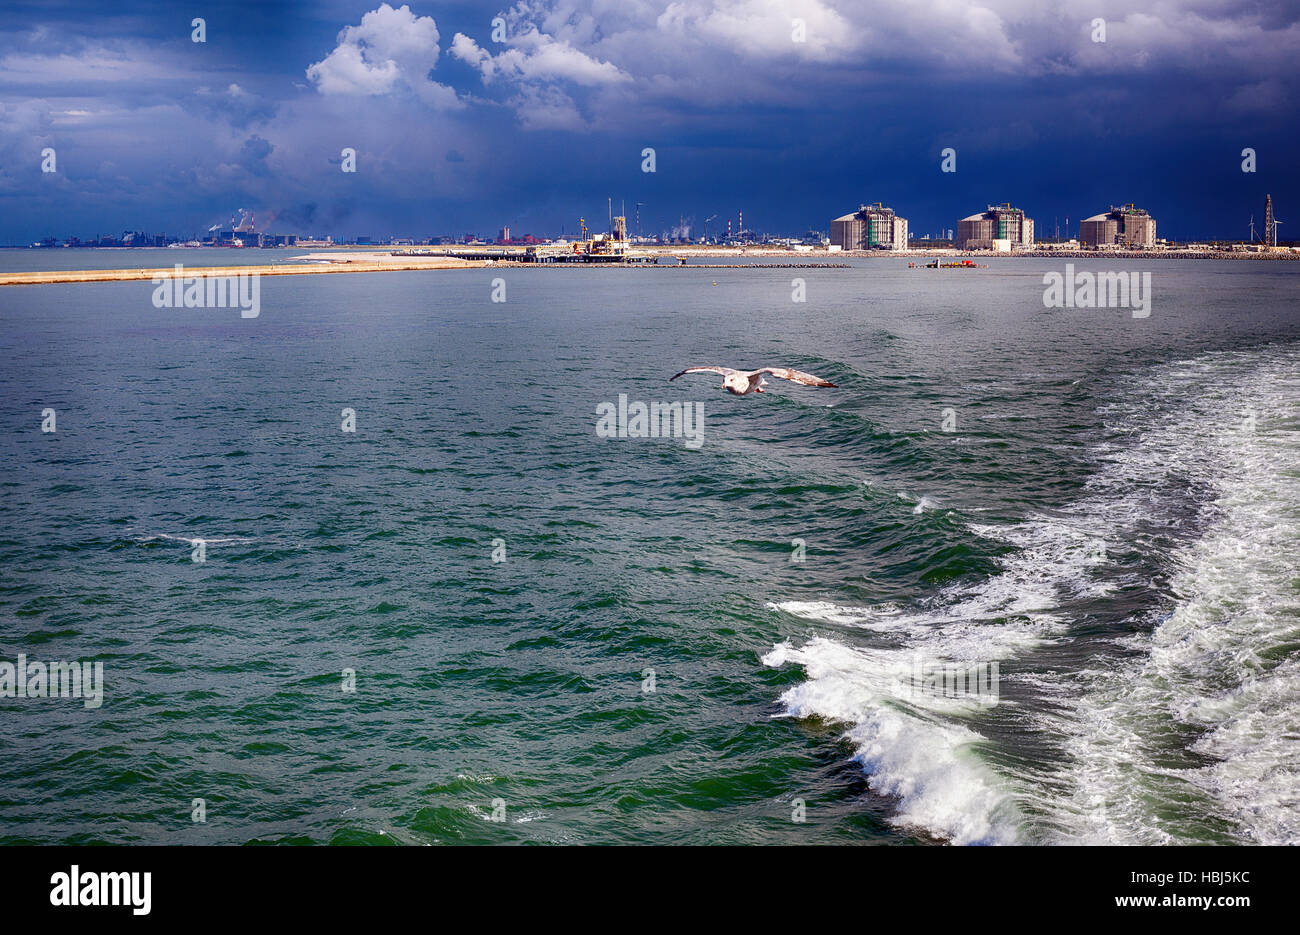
871, 227
1000, 228
1120, 226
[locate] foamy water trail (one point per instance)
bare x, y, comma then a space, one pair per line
1219, 676
1187, 730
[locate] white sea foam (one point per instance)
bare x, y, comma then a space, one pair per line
1221, 667
881, 616
915, 747
910, 750
1215, 679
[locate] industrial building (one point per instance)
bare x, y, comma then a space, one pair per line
1127, 226
871, 227
1001, 227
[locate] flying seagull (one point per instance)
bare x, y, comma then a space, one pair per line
741, 382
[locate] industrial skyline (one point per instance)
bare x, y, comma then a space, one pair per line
873, 226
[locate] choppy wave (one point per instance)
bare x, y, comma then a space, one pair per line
1157, 614
912, 745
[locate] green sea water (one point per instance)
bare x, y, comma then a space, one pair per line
681, 646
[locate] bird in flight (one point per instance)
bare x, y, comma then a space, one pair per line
743, 382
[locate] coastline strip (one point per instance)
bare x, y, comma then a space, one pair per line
203, 272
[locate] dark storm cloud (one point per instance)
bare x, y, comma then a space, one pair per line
253, 153
791, 111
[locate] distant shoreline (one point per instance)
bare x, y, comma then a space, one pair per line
351, 254
44, 277
387, 261
698, 252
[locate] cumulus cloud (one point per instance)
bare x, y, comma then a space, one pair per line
540, 67
1230, 36
651, 57
535, 56
391, 49
546, 108
689, 42
800, 28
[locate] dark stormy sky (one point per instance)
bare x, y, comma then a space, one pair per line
456, 132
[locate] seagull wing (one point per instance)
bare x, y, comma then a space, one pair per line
795, 376
725, 371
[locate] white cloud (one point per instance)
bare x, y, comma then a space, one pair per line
696, 40
535, 56
546, 108
538, 64
469, 51
391, 49
620, 63
764, 28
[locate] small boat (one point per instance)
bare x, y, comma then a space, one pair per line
964, 264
